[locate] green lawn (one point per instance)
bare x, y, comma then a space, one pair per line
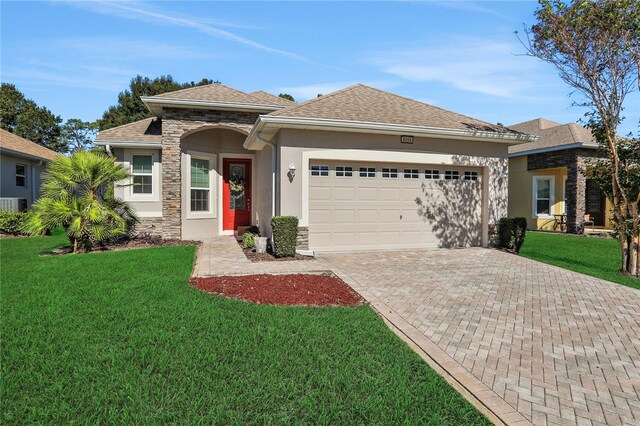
122, 338
598, 257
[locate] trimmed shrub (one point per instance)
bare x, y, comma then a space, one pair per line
13, 222
247, 240
511, 233
285, 234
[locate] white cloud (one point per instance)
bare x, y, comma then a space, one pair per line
142, 11
481, 66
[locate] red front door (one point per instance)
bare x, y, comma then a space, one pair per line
236, 193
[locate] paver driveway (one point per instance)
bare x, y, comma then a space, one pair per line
559, 347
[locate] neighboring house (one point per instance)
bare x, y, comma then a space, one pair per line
361, 168
21, 163
545, 182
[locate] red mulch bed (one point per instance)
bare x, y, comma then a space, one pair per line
296, 289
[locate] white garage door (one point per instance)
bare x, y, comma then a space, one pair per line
373, 206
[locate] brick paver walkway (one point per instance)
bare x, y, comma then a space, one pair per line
557, 346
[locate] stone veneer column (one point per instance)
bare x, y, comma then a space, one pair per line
171, 179
576, 190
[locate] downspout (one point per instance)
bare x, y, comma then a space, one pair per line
274, 165
108, 149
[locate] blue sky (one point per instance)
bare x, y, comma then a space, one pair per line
75, 57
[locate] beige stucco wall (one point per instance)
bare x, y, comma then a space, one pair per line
521, 194
262, 183
8, 188
297, 146
219, 142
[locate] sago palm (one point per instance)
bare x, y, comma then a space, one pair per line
77, 194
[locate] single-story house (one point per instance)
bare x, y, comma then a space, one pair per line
22, 163
361, 168
546, 184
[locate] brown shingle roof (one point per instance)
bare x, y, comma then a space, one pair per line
552, 135
216, 92
148, 130
17, 144
273, 99
367, 104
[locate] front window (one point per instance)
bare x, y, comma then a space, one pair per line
389, 173
543, 194
21, 175
200, 185
142, 174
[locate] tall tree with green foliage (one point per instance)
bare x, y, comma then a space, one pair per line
130, 108
77, 194
595, 46
287, 96
78, 135
26, 119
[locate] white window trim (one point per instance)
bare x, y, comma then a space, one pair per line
211, 158
389, 171
367, 171
564, 194
455, 175
412, 175
24, 176
155, 176
534, 197
430, 176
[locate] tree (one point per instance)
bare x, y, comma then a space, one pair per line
77, 194
595, 46
287, 96
130, 108
26, 119
78, 135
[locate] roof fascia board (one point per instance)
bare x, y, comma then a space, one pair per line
384, 128
22, 154
129, 144
152, 103
552, 149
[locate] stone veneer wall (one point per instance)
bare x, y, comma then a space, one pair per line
302, 241
149, 225
175, 123
575, 162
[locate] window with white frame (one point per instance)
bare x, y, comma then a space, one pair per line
344, 171
389, 173
451, 174
200, 185
367, 172
542, 195
432, 174
411, 174
470, 175
21, 175
142, 171
317, 170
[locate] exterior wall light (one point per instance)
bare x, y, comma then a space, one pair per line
292, 170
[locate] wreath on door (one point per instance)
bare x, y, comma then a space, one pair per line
237, 184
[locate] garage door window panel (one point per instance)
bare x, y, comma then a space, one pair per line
319, 170
432, 174
389, 173
451, 175
344, 171
411, 174
367, 172
470, 175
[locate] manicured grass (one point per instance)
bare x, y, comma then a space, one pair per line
598, 257
122, 338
